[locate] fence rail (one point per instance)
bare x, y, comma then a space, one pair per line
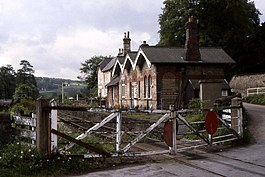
26, 127
255, 91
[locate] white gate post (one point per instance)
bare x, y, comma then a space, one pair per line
173, 150
118, 132
53, 126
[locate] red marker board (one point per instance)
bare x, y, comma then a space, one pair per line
168, 137
211, 122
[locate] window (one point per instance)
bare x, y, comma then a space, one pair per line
145, 86
149, 87
139, 89
224, 92
123, 87
130, 90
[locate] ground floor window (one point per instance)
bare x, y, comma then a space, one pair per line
147, 86
123, 87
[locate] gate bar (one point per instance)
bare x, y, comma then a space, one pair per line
181, 118
144, 133
89, 131
80, 143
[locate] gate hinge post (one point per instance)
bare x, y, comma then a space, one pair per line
173, 150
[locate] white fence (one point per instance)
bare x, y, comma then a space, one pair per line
256, 91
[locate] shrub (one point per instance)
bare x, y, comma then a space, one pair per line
255, 99
24, 161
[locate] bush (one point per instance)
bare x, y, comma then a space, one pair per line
255, 99
24, 161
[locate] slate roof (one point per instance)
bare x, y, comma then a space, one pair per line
121, 59
196, 84
115, 81
103, 63
132, 55
109, 65
177, 55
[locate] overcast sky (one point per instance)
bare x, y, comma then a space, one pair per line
56, 36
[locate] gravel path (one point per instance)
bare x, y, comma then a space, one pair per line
256, 122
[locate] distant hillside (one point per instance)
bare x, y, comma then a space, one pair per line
52, 87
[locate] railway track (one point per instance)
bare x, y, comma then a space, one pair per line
214, 164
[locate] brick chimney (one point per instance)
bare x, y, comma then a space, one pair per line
126, 43
192, 41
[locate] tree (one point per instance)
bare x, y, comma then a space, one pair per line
8, 83
221, 22
250, 53
23, 99
25, 75
89, 70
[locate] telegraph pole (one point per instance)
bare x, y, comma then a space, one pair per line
62, 92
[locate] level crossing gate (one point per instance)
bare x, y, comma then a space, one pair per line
228, 118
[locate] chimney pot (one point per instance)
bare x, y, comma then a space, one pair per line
126, 43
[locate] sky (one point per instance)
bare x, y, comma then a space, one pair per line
56, 36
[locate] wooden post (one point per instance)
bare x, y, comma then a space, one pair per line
43, 131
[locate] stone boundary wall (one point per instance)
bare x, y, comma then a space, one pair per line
240, 83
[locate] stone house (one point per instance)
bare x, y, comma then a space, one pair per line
104, 75
155, 77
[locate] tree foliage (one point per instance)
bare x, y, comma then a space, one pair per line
23, 99
25, 75
89, 71
20, 86
232, 25
250, 53
220, 22
8, 83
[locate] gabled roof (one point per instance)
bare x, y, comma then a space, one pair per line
132, 55
195, 83
129, 58
121, 59
157, 54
